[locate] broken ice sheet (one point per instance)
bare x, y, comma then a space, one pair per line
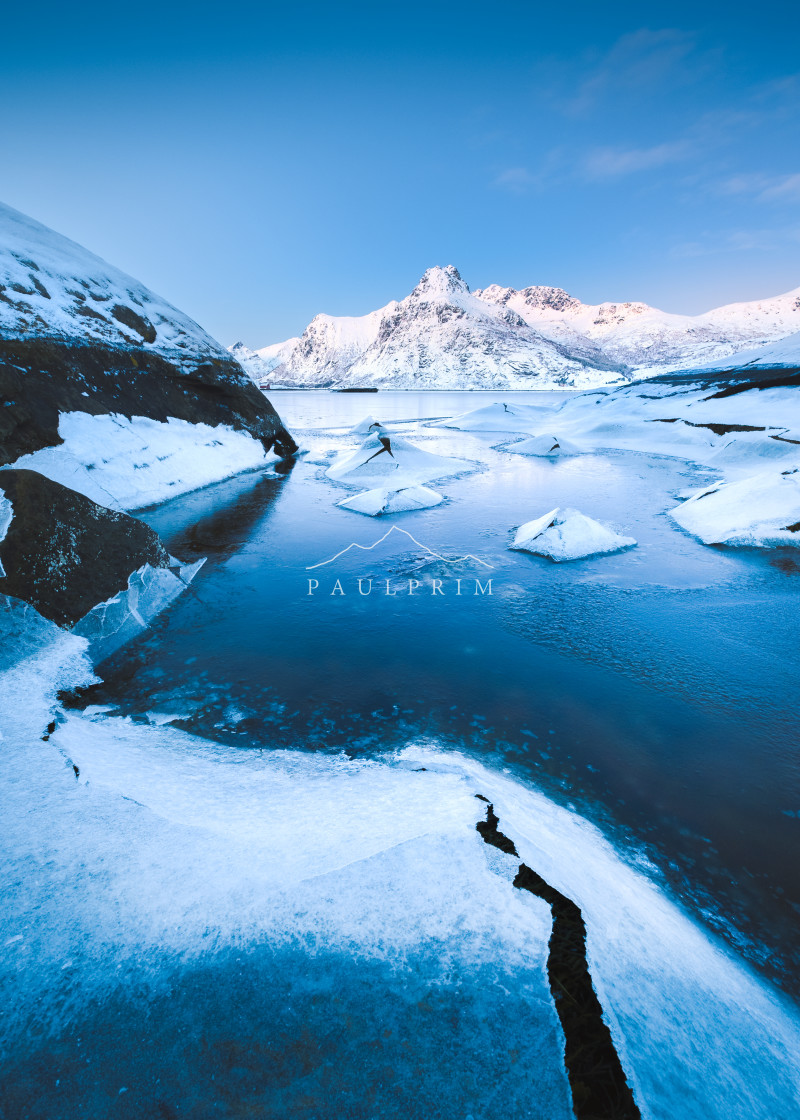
568, 535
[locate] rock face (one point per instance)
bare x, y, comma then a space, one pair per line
63, 553
77, 335
443, 336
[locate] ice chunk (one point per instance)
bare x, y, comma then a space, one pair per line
391, 462
568, 535
499, 417
761, 510
111, 624
544, 446
6, 514
376, 502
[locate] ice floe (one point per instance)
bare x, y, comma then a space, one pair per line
391, 462
568, 535
376, 502
545, 446
762, 510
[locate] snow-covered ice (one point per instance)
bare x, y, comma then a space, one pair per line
377, 502
375, 466
367, 425
762, 510
545, 446
568, 535
129, 462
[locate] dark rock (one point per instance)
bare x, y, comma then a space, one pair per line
63, 553
130, 318
41, 377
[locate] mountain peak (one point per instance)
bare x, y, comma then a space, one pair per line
441, 281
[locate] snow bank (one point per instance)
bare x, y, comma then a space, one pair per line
407, 465
544, 446
762, 510
376, 502
498, 417
6, 514
130, 462
112, 624
568, 535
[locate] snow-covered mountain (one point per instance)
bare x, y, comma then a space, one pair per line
441, 335
444, 336
644, 338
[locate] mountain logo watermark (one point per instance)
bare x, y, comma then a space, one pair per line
444, 585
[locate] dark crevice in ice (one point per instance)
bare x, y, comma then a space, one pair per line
600, 1090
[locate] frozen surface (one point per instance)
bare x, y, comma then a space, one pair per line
377, 502
406, 465
112, 624
568, 534
142, 853
54, 287
129, 462
544, 445
366, 426
763, 510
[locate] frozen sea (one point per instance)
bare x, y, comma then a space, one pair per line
632, 716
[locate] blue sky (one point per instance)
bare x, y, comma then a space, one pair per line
258, 163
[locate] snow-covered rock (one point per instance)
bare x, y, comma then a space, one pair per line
377, 502
544, 446
399, 466
79, 338
444, 336
568, 535
763, 510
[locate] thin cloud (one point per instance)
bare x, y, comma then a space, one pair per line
610, 163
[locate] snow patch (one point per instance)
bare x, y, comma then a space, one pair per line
130, 462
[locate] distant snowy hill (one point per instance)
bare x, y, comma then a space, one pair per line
444, 336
